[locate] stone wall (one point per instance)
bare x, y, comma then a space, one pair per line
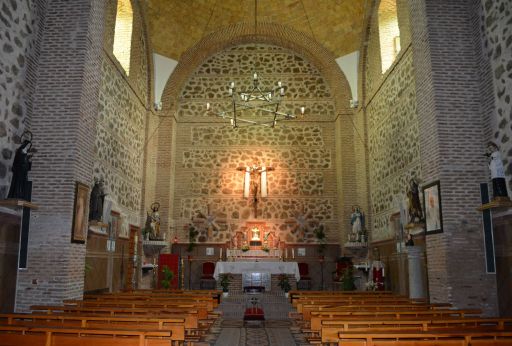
20, 20
497, 24
392, 125
302, 153
121, 128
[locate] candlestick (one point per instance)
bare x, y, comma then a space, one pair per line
220, 254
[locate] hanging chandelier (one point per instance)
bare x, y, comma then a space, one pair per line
255, 105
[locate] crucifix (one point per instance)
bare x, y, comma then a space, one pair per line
255, 181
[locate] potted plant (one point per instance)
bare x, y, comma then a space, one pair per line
225, 280
347, 279
284, 284
265, 248
245, 248
168, 277
192, 234
320, 237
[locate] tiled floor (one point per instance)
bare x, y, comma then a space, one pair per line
277, 329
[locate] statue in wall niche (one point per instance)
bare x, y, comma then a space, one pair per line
414, 204
97, 200
499, 184
21, 165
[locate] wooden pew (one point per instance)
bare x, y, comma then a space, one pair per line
62, 336
319, 319
331, 330
176, 326
403, 338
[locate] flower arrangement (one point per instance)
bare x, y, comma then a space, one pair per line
371, 286
265, 248
245, 248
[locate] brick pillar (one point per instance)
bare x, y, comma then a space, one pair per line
447, 56
64, 125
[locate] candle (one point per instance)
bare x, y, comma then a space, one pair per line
293, 253
207, 106
255, 76
220, 253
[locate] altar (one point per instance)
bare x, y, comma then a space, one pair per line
290, 268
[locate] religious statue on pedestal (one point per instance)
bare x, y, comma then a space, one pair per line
97, 200
414, 204
357, 222
499, 184
21, 165
155, 220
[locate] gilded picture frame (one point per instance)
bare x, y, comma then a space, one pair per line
80, 219
433, 212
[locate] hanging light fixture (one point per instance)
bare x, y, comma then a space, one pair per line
256, 105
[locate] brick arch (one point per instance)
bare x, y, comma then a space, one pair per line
268, 33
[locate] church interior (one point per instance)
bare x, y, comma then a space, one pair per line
259, 156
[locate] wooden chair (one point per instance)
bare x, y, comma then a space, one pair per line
305, 280
207, 280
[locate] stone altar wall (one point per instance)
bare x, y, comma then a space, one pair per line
207, 156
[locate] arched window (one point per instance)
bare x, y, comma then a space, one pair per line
123, 33
389, 33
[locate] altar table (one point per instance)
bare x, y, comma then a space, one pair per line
257, 267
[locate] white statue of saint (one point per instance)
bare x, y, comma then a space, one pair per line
357, 222
499, 184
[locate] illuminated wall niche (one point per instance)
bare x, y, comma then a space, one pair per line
389, 33
123, 33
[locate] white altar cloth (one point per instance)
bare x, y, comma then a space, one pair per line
257, 267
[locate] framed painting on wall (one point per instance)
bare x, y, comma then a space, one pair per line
79, 226
115, 224
433, 209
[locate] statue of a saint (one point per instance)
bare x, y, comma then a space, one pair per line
499, 184
155, 220
357, 222
97, 199
414, 204
20, 167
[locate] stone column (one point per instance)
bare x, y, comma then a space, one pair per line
417, 287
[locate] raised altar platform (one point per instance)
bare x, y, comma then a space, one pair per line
269, 267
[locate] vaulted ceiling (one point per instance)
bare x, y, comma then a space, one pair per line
176, 25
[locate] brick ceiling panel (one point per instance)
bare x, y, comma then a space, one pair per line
176, 25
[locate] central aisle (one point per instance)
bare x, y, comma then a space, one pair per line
276, 329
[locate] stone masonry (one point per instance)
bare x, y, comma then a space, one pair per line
207, 156
17, 47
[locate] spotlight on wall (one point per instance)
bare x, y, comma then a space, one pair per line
157, 106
